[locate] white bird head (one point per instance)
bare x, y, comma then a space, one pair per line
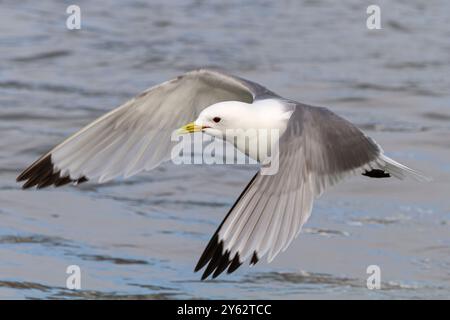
216, 119
243, 124
225, 116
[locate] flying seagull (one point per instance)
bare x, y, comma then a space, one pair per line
316, 149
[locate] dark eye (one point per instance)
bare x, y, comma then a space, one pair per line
216, 119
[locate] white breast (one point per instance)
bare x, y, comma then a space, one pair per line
263, 123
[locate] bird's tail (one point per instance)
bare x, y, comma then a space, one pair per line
401, 171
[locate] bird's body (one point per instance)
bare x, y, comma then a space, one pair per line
314, 148
249, 125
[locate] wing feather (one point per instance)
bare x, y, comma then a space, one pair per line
136, 136
317, 150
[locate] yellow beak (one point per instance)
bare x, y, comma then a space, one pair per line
190, 128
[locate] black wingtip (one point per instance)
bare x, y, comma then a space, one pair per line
255, 259
217, 261
213, 254
376, 173
222, 265
236, 263
208, 252
204, 276
42, 174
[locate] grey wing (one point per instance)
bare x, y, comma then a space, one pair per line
317, 150
136, 135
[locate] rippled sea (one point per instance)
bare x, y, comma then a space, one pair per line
141, 238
